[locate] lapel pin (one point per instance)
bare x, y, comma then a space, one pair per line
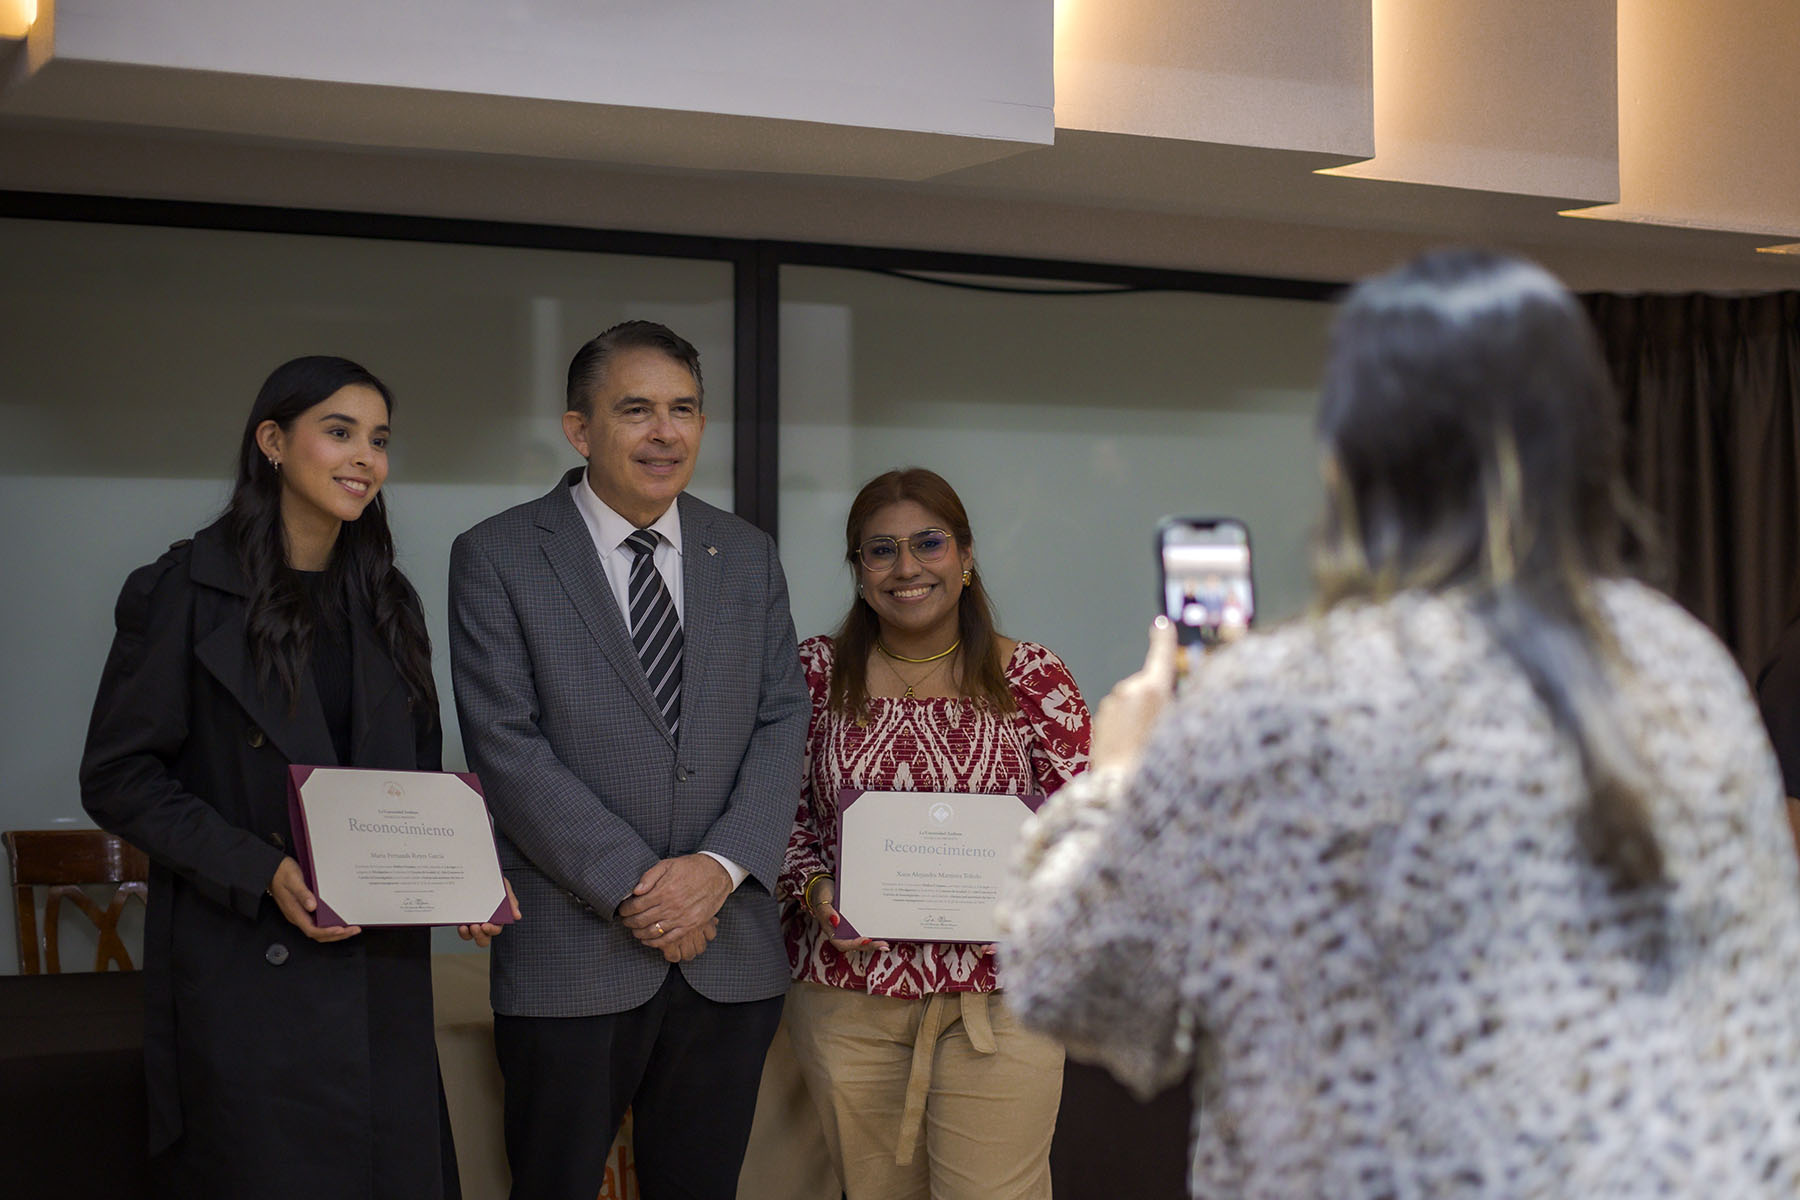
713, 550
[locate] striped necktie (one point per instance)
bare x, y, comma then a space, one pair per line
655, 629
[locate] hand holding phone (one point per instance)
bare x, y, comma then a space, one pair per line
1125, 719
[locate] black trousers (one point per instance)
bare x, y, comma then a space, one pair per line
688, 1067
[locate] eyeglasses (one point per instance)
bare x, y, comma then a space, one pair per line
879, 554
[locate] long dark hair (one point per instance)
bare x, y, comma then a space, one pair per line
1472, 441
984, 673
361, 572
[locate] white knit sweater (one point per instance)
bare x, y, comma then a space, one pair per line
1346, 883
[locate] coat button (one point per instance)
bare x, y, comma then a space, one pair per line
276, 954
256, 738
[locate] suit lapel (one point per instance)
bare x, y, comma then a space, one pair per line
298, 731
700, 580
570, 549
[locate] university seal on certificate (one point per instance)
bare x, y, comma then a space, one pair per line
924, 866
396, 847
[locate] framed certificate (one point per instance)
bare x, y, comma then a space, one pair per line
396, 847
924, 866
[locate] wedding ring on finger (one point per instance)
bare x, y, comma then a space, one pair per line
659, 929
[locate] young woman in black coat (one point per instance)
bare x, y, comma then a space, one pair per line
284, 1060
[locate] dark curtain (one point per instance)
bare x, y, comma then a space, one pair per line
1711, 394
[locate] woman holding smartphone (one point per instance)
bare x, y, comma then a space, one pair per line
924, 1081
1476, 883
283, 1059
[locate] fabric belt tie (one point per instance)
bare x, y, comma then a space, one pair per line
972, 1009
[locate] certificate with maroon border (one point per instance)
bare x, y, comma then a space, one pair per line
396, 847
924, 866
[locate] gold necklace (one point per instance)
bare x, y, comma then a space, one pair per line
879, 645
920, 681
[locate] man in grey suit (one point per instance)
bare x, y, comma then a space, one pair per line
631, 696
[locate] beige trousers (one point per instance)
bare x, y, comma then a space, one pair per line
945, 1097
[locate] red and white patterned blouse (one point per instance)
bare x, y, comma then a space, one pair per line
936, 744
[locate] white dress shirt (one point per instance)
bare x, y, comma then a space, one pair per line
609, 531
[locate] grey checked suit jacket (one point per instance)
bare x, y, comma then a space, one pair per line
587, 787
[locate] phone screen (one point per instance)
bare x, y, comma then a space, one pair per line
1206, 588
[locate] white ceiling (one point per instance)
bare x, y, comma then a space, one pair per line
1095, 194
1089, 198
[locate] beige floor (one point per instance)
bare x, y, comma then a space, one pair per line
786, 1159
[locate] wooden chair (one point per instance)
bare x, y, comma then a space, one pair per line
64, 861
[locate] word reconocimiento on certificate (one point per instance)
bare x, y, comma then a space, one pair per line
890, 846
410, 829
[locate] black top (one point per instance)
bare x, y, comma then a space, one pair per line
330, 658
1778, 695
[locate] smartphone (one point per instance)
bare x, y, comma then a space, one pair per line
1203, 577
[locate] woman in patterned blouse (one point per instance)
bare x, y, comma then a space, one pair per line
1474, 884
923, 1080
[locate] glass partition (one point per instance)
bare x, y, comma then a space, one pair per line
1068, 422
129, 356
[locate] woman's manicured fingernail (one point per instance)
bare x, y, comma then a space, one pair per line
834, 920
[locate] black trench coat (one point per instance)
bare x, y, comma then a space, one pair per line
277, 1066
